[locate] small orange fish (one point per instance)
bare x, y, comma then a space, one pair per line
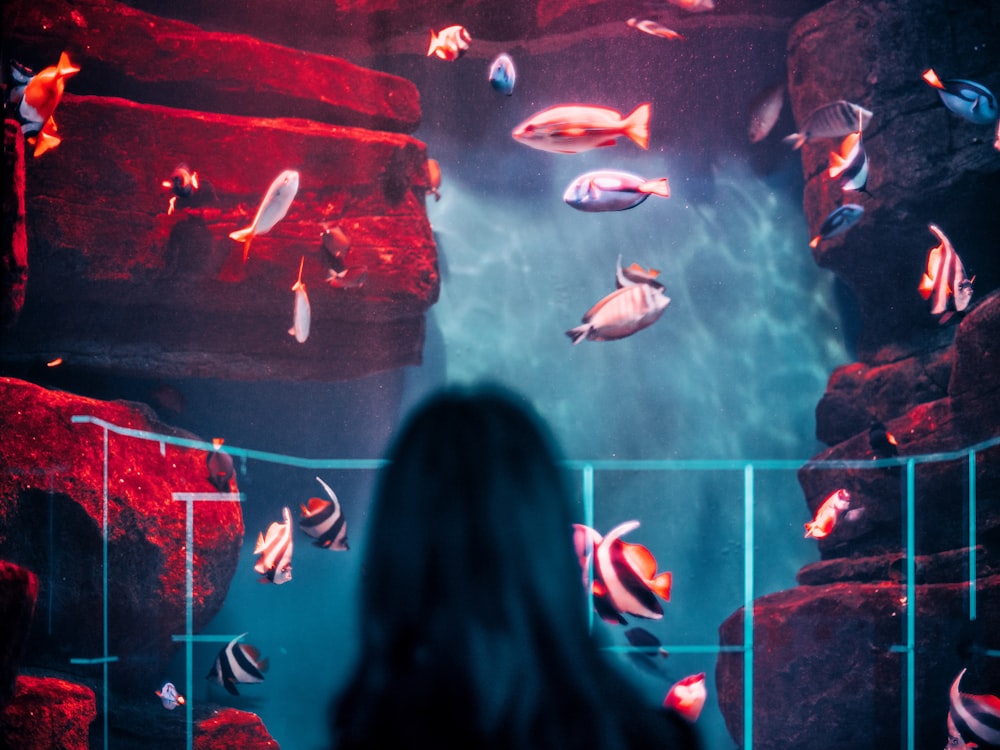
41, 96
55, 362
826, 516
687, 697
449, 43
653, 29
434, 178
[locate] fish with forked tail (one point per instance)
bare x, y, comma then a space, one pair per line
574, 128
832, 120
272, 209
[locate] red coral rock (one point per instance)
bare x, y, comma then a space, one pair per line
48, 714
18, 592
229, 728
51, 493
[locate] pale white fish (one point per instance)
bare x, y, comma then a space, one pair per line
764, 112
272, 209
621, 313
302, 315
831, 120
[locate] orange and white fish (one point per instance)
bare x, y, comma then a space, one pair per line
653, 29
695, 6
39, 95
275, 550
945, 277
272, 209
829, 513
302, 313
625, 578
574, 128
622, 313
449, 43
434, 178
849, 166
169, 696
972, 719
687, 697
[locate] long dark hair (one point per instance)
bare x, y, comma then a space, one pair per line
474, 631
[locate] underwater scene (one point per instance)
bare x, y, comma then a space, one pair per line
740, 256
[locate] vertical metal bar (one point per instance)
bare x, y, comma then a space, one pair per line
748, 575
972, 535
52, 552
911, 607
588, 519
189, 622
104, 560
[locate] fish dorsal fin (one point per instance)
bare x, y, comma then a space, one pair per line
260, 544
298, 283
651, 272
661, 585
315, 504
252, 652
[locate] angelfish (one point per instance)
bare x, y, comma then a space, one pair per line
574, 128
272, 209
324, 521
945, 276
975, 718
621, 313
275, 550
237, 662
967, 99
302, 315
687, 697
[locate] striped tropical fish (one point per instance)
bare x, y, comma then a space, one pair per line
237, 662
275, 550
324, 521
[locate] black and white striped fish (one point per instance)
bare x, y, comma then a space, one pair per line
237, 662
324, 521
849, 166
275, 550
944, 277
830, 121
975, 717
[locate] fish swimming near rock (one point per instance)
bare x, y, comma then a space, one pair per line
975, 718
502, 74
324, 521
882, 442
967, 99
653, 29
574, 128
945, 278
36, 98
237, 663
220, 466
302, 312
765, 109
620, 314
169, 696
849, 165
272, 209
829, 512
434, 178
687, 697
183, 183
625, 578
335, 243
275, 550
635, 274
832, 120
694, 6
837, 222
450, 43
612, 190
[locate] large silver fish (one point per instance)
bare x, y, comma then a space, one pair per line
621, 313
272, 209
832, 120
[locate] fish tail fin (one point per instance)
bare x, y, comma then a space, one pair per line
661, 585
264, 664
45, 142
578, 334
245, 236
837, 165
637, 124
434, 43
659, 187
809, 529
795, 140
65, 67
932, 78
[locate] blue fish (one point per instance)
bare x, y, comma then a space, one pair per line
612, 190
839, 221
169, 696
502, 74
967, 99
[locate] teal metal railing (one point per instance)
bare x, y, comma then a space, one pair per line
586, 470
